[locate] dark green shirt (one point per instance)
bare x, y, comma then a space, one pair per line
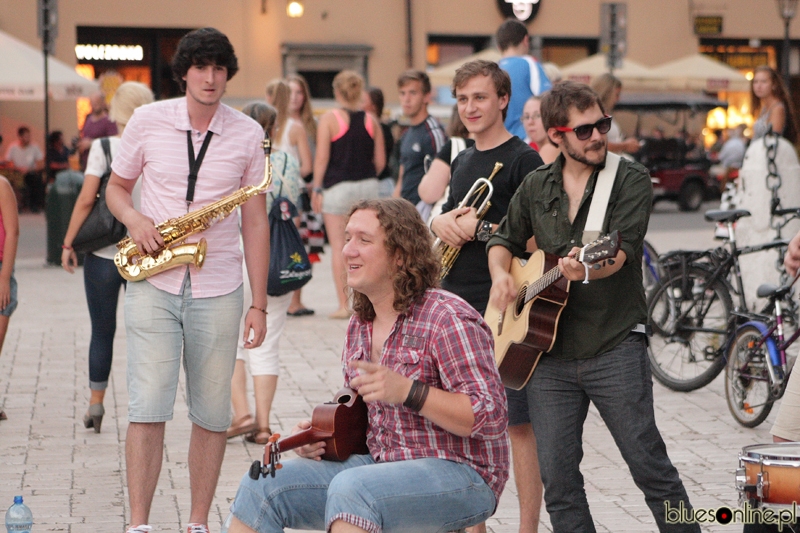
600, 314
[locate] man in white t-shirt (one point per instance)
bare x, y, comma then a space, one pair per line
27, 158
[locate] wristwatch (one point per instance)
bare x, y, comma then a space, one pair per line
483, 231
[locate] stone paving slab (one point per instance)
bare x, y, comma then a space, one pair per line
74, 479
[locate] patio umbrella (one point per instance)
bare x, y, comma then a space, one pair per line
633, 75
699, 72
443, 75
22, 74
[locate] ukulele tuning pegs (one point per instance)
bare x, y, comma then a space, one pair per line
610, 261
596, 266
255, 470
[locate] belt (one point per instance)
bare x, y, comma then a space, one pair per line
644, 329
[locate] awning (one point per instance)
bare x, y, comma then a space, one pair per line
699, 72
643, 102
634, 76
22, 74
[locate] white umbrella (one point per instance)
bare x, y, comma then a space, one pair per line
22, 74
700, 72
633, 75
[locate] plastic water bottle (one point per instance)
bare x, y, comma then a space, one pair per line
19, 518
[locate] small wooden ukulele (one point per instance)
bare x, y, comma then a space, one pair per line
342, 423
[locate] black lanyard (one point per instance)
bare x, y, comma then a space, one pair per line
194, 164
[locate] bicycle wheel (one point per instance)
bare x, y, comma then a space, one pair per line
650, 268
690, 321
747, 389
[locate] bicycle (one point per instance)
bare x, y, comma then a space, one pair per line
692, 309
757, 370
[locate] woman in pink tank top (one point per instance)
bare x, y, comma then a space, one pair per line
9, 237
350, 155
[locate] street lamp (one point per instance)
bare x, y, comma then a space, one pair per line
294, 8
787, 10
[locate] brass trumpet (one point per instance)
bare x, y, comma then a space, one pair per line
449, 253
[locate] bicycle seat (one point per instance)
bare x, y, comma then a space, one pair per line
768, 290
730, 215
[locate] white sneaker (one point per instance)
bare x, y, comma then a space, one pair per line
197, 528
144, 528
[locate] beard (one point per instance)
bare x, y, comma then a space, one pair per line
599, 147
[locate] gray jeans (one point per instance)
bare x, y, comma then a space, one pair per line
619, 384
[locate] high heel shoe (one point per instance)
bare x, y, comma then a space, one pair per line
94, 417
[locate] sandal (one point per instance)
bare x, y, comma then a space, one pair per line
259, 437
245, 424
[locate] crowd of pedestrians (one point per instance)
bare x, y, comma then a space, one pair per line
434, 399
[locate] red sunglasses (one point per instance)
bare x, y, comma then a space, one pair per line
584, 131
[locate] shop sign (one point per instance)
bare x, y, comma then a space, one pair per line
707, 26
109, 52
524, 10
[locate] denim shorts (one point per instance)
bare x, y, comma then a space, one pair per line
12, 302
421, 495
163, 327
338, 199
517, 407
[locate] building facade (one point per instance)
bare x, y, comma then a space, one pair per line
379, 38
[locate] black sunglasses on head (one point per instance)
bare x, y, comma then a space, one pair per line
584, 131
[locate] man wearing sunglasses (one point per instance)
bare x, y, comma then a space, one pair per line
599, 354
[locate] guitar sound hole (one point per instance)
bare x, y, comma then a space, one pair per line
520, 303
344, 398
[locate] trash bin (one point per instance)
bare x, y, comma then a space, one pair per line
59, 202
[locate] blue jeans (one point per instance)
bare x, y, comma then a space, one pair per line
421, 495
619, 384
102, 282
164, 329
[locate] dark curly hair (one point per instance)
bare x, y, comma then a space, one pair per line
206, 46
407, 239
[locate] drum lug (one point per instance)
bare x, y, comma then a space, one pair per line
762, 485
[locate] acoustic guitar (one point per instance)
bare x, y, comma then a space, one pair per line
526, 329
342, 423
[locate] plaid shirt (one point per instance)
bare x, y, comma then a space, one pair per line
444, 342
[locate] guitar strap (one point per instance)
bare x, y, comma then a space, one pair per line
602, 192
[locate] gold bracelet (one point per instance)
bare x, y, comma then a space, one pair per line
259, 309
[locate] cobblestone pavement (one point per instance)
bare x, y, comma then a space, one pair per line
74, 479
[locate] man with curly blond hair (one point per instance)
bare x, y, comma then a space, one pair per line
422, 359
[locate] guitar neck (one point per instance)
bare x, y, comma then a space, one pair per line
548, 278
308, 436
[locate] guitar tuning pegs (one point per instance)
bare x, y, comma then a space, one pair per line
610, 261
596, 266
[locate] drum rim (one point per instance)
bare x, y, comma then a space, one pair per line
759, 457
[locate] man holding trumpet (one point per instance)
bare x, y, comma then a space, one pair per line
482, 91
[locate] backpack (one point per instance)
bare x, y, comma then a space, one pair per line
289, 267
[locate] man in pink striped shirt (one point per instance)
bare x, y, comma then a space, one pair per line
186, 311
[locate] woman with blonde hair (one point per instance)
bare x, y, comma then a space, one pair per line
100, 276
301, 113
300, 108
290, 137
350, 156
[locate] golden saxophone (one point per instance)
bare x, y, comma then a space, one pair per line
135, 266
449, 254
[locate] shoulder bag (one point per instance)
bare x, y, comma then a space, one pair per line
100, 229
